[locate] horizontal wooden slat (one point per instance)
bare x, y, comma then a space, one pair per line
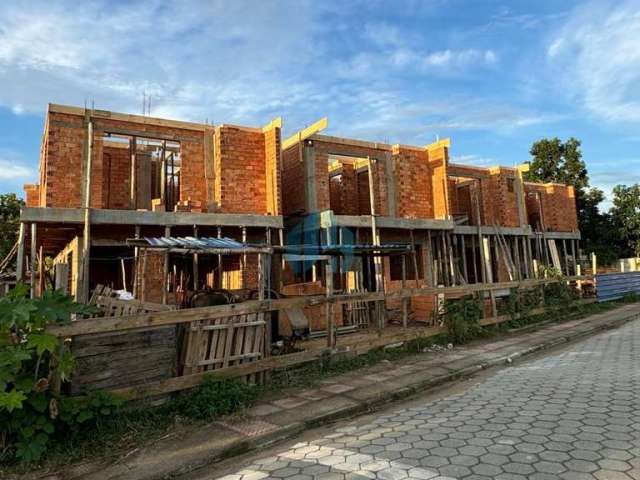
98, 325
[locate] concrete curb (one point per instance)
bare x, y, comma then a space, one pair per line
372, 405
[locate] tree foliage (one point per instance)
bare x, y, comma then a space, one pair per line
625, 215
556, 161
10, 206
32, 363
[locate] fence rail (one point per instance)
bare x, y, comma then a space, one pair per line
232, 340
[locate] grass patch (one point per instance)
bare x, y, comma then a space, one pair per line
135, 424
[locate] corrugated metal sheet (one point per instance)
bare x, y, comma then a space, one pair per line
195, 243
611, 286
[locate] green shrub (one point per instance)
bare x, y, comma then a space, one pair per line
462, 318
33, 364
214, 398
630, 297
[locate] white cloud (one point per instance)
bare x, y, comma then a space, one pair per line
473, 159
596, 54
460, 58
14, 171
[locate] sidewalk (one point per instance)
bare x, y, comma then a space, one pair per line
364, 390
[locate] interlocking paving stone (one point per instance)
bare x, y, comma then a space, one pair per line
574, 415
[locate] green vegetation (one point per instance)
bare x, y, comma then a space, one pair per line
10, 206
462, 318
611, 235
38, 419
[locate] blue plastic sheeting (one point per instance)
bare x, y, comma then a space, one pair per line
611, 286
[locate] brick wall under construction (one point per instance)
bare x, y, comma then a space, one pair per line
245, 167
414, 177
554, 203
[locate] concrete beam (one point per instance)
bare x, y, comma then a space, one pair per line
328, 219
135, 217
487, 230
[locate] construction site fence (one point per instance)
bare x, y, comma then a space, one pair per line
229, 341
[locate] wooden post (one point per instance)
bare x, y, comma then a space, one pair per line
196, 271
405, 300
464, 259
474, 259
282, 261
143, 282
375, 235
430, 271
218, 278
34, 253
136, 266
573, 257
134, 174
41, 285
124, 274
20, 256
244, 259
328, 308
594, 264
518, 263
566, 257
165, 272
414, 258
83, 287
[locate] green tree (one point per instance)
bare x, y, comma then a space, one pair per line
10, 206
556, 161
626, 216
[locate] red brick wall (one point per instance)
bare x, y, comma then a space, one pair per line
414, 191
246, 165
116, 179
293, 181
273, 167
501, 202
32, 195
61, 162
438, 159
240, 170
558, 206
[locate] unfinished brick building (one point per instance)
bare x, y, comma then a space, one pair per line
465, 224
106, 177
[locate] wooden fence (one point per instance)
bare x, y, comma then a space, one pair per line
230, 340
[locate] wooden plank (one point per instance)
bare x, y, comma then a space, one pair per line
305, 133
20, 254
34, 233
84, 327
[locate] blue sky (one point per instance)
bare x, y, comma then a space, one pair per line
494, 76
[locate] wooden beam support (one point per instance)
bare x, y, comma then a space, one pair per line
34, 253
20, 254
305, 133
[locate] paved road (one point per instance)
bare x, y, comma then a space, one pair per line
570, 415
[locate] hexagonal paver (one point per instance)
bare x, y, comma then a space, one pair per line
574, 415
